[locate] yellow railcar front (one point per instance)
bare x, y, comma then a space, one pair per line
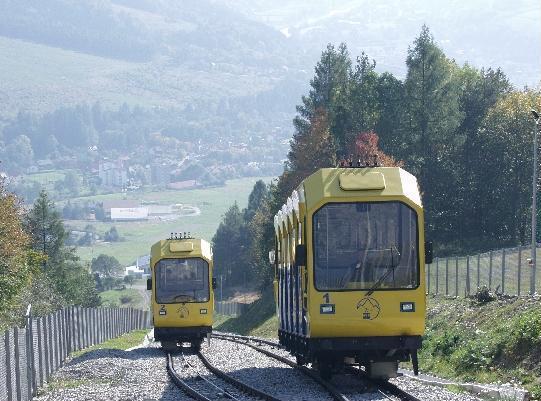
182, 291
350, 282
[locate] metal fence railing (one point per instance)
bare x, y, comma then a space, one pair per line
505, 271
30, 355
230, 308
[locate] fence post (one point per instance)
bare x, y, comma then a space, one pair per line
428, 279
446, 276
519, 269
31, 379
503, 271
47, 348
456, 276
532, 275
490, 270
58, 350
9, 386
56, 339
40, 349
478, 270
437, 275
467, 276
17, 358
69, 332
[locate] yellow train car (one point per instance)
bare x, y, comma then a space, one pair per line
182, 288
349, 276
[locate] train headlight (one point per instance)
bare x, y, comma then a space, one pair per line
326, 309
407, 306
203, 311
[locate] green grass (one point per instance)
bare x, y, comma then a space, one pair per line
112, 298
495, 341
139, 236
258, 320
128, 340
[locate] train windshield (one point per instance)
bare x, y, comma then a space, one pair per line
365, 246
182, 280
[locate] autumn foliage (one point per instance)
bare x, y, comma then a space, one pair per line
366, 152
14, 243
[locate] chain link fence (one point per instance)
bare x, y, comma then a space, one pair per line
505, 271
30, 355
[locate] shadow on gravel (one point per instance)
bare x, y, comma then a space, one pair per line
139, 353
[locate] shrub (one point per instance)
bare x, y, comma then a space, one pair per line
483, 295
125, 299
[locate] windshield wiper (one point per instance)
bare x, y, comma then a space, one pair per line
189, 297
390, 269
380, 280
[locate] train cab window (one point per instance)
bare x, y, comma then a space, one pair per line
182, 280
365, 246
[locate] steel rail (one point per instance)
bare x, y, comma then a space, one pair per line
175, 377
235, 382
336, 394
378, 384
246, 388
390, 388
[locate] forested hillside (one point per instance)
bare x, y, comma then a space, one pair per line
466, 134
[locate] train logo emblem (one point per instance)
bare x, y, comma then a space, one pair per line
369, 308
183, 312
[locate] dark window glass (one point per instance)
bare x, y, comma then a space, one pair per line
365, 246
182, 280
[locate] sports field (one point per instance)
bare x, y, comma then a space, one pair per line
140, 235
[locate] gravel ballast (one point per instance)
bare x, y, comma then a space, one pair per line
114, 375
140, 375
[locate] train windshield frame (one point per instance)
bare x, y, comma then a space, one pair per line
365, 246
182, 280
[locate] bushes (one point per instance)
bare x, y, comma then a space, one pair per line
483, 295
483, 341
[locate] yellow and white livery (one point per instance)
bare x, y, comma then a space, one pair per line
349, 276
182, 291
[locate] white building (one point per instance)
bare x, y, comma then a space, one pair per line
129, 213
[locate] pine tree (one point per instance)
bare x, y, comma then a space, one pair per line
46, 230
229, 250
47, 235
364, 98
480, 90
432, 119
255, 200
329, 94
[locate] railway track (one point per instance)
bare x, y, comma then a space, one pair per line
383, 387
205, 382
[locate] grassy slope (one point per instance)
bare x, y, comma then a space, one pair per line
258, 320
139, 236
125, 341
111, 298
499, 340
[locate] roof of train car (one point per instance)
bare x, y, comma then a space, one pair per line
181, 248
389, 182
